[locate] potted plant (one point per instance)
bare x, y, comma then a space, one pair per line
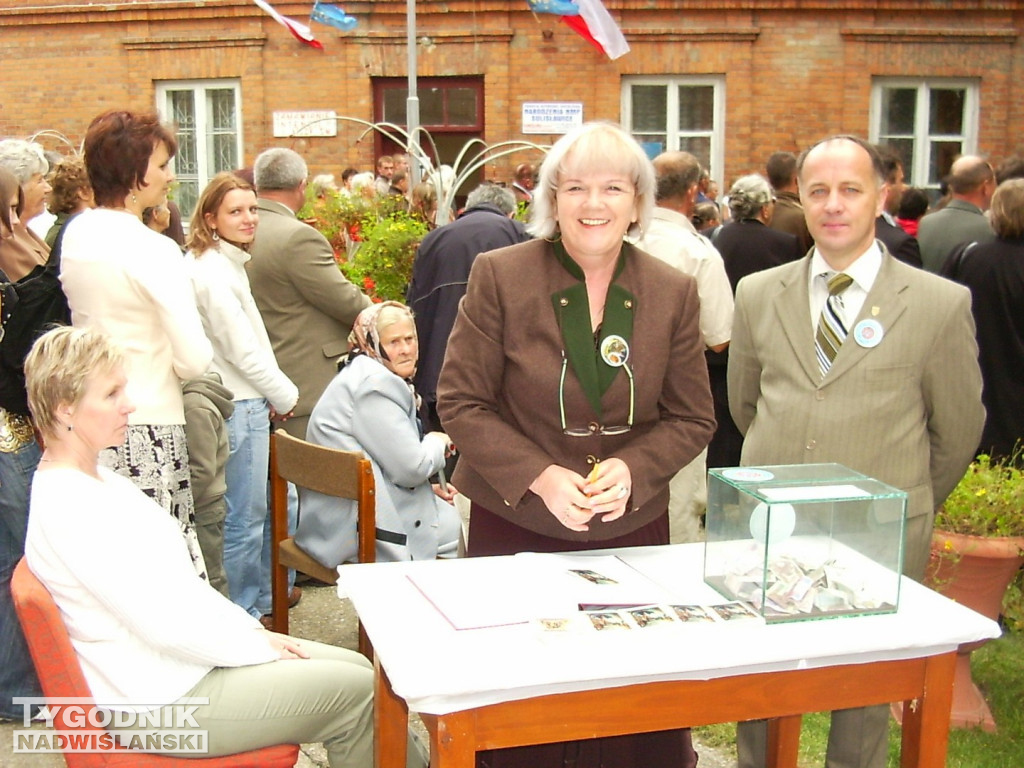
977, 551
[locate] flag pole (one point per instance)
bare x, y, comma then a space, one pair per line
412, 104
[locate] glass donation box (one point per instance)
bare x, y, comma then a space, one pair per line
804, 541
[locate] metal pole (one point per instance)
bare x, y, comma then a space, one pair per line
412, 104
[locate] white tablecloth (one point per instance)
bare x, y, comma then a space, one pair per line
438, 669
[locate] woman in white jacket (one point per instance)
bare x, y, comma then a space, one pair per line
124, 280
223, 227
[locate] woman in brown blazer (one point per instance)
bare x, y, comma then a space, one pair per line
575, 387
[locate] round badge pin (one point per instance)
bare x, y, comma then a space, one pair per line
614, 351
868, 333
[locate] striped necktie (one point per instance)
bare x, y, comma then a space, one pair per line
831, 329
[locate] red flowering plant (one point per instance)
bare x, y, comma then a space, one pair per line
374, 239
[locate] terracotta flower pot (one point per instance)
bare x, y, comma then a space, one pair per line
974, 571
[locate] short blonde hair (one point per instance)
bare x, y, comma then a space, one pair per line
59, 367
1008, 209
593, 146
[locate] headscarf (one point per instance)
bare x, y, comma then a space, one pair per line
365, 340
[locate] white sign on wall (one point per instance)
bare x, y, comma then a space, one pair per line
306, 123
551, 116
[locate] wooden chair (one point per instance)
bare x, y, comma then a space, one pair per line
345, 474
60, 675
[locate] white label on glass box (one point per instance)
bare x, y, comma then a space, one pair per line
815, 493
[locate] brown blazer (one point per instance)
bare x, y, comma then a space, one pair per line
907, 412
498, 391
306, 303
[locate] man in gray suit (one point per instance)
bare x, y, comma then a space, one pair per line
972, 183
898, 398
307, 304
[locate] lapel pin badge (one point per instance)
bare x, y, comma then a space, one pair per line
614, 350
868, 333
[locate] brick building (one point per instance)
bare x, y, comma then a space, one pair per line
731, 80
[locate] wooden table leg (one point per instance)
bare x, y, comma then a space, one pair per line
783, 741
926, 719
453, 741
390, 723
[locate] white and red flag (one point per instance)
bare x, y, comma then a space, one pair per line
297, 28
597, 26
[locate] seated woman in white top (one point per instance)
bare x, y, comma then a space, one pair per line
147, 629
370, 407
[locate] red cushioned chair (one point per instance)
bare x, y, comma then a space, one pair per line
61, 677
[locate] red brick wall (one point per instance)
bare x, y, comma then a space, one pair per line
794, 69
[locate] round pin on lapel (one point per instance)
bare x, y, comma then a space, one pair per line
614, 350
868, 333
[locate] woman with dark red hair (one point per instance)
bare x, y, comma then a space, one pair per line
127, 281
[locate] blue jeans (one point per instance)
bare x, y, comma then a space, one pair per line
17, 675
247, 520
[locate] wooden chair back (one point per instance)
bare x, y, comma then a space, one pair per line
344, 474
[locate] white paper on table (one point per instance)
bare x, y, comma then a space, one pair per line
500, 592
814, 493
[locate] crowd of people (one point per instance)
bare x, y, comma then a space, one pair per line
578, 374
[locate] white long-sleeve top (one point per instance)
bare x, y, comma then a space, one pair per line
242, 353
129, 282
145, 627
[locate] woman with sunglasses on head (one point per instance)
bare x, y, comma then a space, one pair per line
575, 387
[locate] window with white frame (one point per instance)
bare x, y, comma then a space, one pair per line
206, 116
677, 113
928, 122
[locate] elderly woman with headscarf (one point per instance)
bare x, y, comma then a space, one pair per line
575, 387
370, 406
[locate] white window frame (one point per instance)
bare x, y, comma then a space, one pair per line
918, 175
204, 132
673, 133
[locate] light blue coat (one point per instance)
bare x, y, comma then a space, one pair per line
368, 408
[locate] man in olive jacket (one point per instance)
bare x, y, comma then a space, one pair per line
307, 304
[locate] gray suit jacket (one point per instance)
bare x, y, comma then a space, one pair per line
942, 231
307, 304
907, 412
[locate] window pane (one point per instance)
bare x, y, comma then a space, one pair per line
223, 145
462, 108
222, 108
186, 195
223, 157
898, 108
941, 158
699, 147
696, 108
394, 105
431, 106
182, 108
649, 109
904, 149
653, 143
946, 111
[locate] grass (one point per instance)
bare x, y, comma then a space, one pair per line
997, 668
